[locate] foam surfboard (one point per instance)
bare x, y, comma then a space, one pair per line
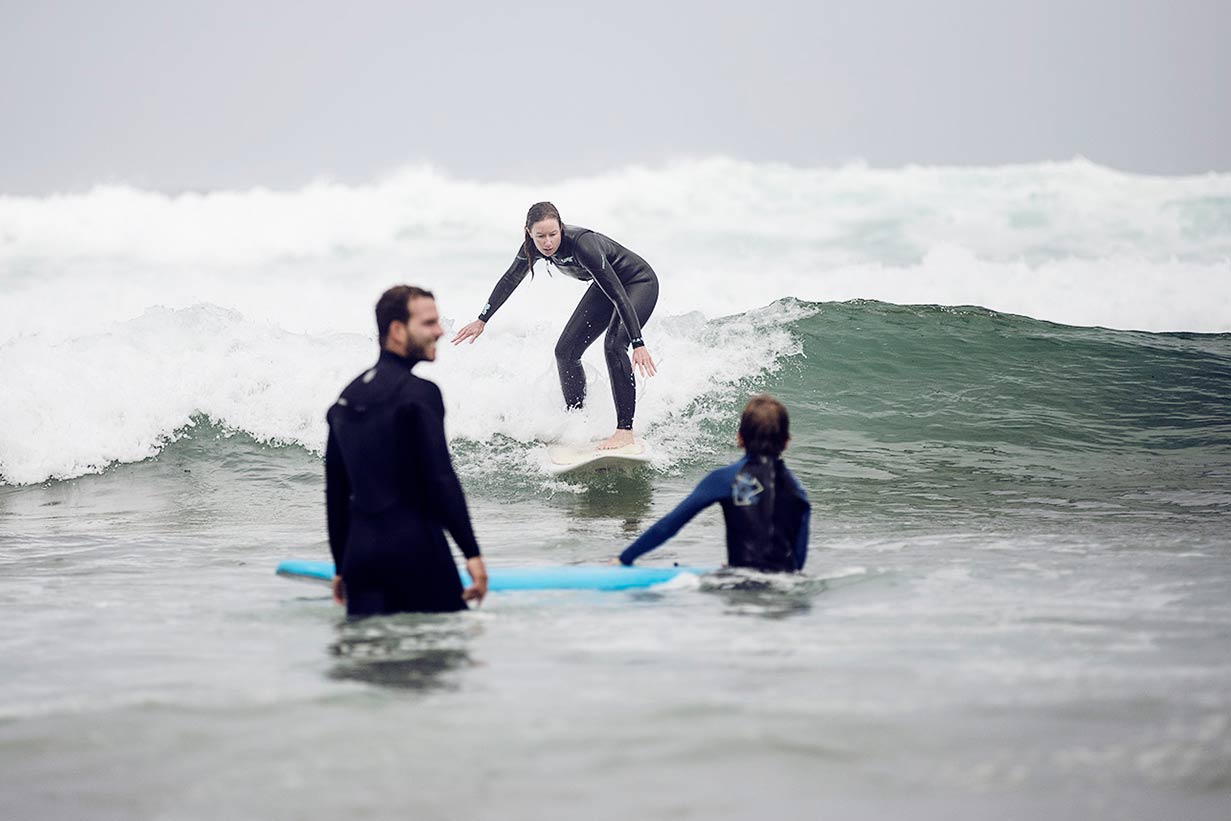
566, 577
563, 459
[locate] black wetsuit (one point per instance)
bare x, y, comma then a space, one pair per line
766, 512
389, 490
619, 302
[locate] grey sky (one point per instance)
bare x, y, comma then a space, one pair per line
176, 94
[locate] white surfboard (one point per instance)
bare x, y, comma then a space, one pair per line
562, 459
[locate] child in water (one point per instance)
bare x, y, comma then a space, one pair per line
765, 508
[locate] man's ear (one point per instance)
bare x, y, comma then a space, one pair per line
739, 439
398, 333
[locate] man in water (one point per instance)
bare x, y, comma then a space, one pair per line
765, 507
390, 489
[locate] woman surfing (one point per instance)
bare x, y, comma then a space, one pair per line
619, 302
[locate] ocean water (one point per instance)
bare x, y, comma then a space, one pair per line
1011, 406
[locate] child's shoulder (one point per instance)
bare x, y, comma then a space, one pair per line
731, 469
794, 480
721, 478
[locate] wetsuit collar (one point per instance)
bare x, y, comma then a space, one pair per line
388, 357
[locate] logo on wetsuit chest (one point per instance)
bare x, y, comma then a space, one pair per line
745, 490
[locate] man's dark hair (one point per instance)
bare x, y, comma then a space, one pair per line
394, 306
764, 426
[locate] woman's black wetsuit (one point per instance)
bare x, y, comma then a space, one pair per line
620, 302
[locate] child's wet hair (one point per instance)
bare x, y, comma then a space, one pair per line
764, 426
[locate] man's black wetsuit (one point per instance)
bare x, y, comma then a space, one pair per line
389, 489
766, 513
620, 302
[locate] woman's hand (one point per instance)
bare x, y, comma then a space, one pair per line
470, 331
642, 360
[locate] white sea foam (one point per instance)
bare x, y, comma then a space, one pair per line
75, 405
124, 313
1069, 242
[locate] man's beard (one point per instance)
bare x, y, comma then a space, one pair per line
418, 353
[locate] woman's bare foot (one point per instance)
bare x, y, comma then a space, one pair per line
616, 440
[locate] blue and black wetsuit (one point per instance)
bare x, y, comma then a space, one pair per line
766, 513
390, 490
620, 302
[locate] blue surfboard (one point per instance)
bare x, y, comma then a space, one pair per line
568, 577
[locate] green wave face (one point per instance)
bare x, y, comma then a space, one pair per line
908, 414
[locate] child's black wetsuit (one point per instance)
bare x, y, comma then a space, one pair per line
619, 302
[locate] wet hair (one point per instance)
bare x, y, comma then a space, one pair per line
394, 306
538, 212
764, 426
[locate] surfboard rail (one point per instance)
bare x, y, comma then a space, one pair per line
548, 577
563, 459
